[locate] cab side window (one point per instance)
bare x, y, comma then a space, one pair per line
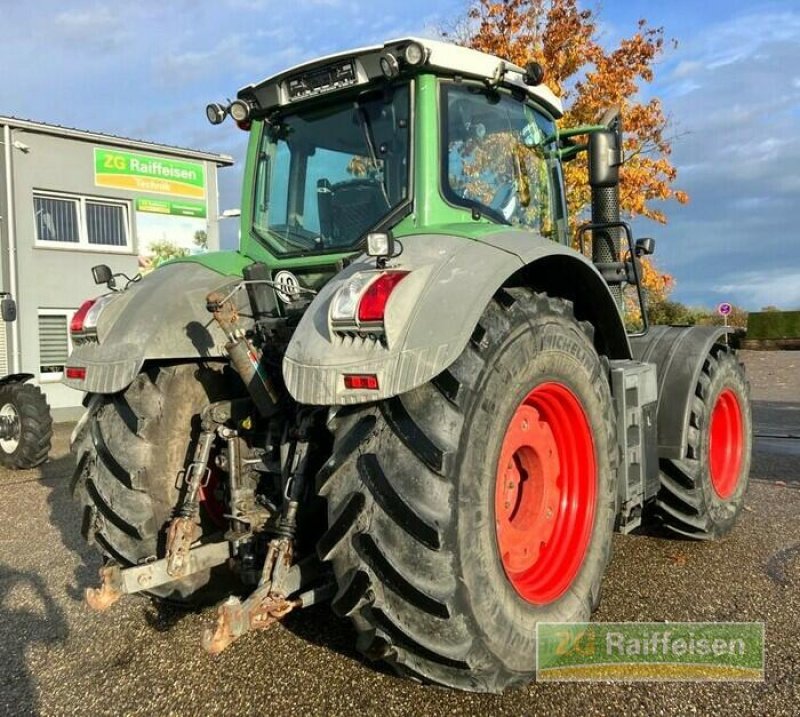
495, 159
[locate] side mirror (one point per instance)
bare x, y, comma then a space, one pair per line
102, 274
605, 151
8, 309
645, 247
605, 158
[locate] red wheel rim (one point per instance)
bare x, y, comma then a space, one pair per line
725, 443
545, 493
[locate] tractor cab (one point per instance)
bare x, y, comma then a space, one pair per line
404, 137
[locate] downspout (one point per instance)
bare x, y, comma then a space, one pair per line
12, 246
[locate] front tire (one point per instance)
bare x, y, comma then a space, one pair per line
702, 494
26, 406
417, 489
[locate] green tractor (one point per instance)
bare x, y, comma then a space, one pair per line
406, 394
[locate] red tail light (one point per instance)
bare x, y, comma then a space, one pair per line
76, 372
78, 319
373, 303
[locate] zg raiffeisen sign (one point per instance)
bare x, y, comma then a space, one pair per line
145, 173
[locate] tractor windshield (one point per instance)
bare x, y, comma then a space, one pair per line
327, 175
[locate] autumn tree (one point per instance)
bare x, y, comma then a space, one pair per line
589, 78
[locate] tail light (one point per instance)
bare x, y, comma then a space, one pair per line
79, 317
373, 303
84, 320
363, 299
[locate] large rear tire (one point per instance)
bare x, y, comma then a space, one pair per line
131, 450
27, 407
438, 500
702, 494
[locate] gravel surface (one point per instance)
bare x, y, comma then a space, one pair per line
59, 658
773, 375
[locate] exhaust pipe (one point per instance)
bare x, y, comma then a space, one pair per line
605, 158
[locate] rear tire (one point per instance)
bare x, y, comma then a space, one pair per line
702, 494
412, 490
31, 444
130, 451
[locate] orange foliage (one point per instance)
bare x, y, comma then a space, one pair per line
563, 38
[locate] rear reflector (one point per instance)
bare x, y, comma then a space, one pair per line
361, 380
76, 372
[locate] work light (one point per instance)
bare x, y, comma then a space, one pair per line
215, 113
415, 53
240, 110
389, 65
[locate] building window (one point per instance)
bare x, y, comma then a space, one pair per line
105, 224
56, 219
54, 342
81, 222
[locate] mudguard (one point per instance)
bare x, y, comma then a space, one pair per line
163, 316
428, 320
15, 378
678, 353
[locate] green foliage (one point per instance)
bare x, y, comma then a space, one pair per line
162, 251
201, 239
772, 324
674, 313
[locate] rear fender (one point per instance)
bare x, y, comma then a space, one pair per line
430, 317
678, 353
161, 317
15, 378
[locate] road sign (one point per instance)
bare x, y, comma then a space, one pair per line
724, 309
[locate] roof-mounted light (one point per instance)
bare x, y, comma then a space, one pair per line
389, 65
534, 74
216, 113
415, 54
240, 110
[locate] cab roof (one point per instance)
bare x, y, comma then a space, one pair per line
363, 65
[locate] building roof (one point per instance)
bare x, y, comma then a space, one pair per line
222, 160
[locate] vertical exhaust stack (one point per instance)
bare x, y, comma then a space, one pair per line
605, 159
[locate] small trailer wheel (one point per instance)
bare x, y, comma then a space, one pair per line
27, 426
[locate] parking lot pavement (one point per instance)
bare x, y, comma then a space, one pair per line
59, 658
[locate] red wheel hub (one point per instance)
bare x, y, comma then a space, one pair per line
725, 443
545, 493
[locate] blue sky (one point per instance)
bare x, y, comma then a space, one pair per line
732, 89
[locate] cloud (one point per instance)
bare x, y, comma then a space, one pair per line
96, 27
758, 289
738, 156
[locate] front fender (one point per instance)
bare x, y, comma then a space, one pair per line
163, 316
15, 378
428, 322
678, 353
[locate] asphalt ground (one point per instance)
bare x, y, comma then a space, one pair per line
57, 657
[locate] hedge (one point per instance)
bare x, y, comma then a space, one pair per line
770, 325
